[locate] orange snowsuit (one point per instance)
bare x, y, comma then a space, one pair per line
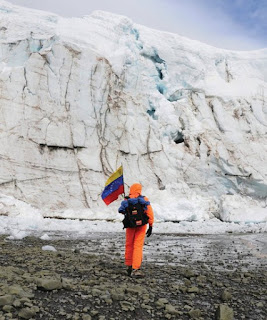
135, 237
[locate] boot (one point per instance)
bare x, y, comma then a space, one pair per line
137, 273
129, 270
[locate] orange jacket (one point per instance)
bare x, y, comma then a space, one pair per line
136, 191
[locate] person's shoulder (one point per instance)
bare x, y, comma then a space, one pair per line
144, 200
142, 196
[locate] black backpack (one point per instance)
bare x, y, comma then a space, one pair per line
135, 215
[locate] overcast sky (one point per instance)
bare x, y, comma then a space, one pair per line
230, 24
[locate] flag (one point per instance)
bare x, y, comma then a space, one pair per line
113, 187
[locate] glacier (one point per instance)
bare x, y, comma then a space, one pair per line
81, 96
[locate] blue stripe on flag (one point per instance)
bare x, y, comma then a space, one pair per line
113, 186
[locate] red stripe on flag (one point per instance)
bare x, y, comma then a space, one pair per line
114, 195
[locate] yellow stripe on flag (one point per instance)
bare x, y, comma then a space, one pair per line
114, 176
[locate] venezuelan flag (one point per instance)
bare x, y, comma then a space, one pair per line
113, 187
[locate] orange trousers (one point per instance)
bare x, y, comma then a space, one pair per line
135, 238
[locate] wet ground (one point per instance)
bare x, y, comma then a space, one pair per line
245, 251
186, 277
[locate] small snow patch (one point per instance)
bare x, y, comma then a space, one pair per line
49, 248
17, 235
45, 237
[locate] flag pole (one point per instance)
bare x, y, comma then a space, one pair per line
123, 182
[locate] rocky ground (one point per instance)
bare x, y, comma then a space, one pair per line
201, 277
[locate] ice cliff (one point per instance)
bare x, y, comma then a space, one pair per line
80, 96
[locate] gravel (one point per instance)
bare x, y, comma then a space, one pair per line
84, 279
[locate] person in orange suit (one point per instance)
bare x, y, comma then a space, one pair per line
135, 237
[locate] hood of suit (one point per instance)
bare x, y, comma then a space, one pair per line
135, 190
